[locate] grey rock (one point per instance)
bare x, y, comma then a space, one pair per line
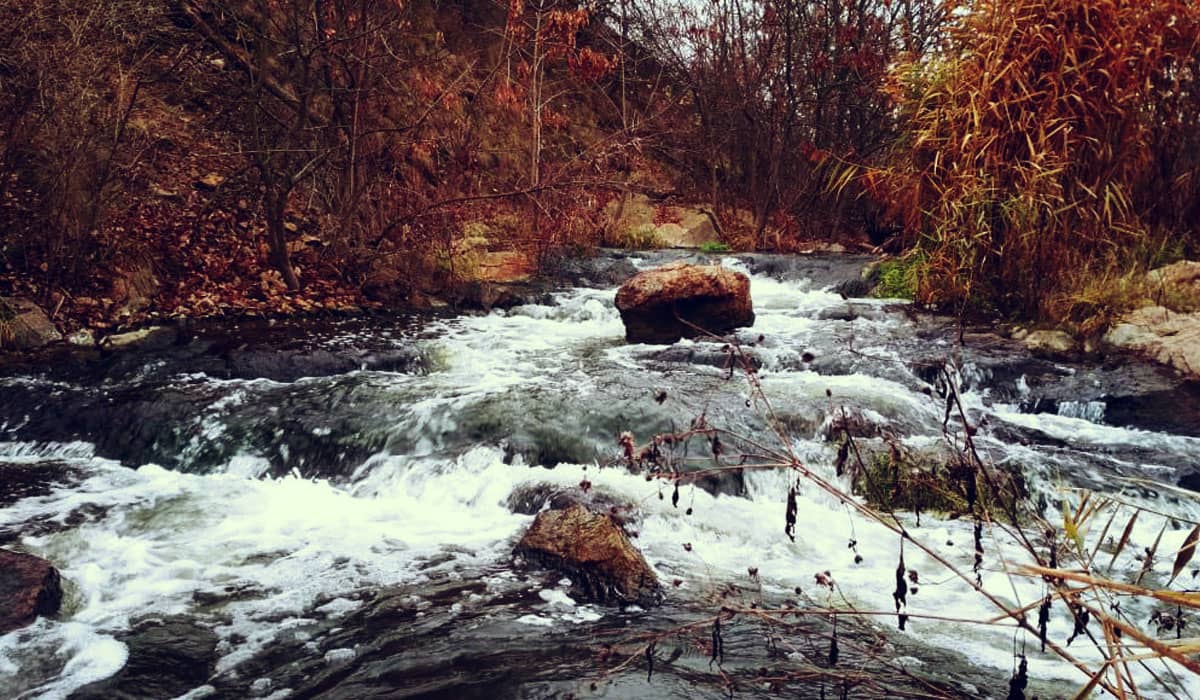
1048, 343
1164, 336
24, 326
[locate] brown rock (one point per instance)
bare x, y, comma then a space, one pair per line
1051, 344
593, 550
711, 297
29, 586
1177, 285
1162, 335
24, 326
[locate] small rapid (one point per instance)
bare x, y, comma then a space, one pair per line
348, 530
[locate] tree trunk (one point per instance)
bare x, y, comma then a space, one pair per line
276, 206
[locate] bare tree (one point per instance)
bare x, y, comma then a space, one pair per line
781, 90
71, 75
308, 73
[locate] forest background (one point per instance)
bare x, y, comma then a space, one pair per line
179, 158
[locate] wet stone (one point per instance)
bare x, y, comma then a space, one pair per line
531, 499
23, 480
671, 302
595, 551
29, 587
168, 656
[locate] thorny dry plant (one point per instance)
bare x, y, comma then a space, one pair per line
1076, 580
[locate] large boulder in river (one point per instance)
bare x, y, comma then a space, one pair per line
674, 301
594, 551
29, 587
24, 326
1162, 335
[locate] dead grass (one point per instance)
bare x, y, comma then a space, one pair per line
1047, 151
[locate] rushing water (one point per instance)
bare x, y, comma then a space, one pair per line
350, 534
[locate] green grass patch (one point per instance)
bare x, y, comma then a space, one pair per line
898, 278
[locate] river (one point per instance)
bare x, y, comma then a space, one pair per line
329, 508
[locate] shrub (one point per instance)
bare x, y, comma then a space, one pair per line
1047, 146
71, 74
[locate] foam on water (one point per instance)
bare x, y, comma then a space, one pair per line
1084, 432
166, 534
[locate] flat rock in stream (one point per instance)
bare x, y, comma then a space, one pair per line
594, 550
167, 658
674, 301
20, 480
29, 586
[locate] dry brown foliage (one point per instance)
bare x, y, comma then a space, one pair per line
1048, 140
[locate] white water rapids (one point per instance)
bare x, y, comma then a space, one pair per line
138, 539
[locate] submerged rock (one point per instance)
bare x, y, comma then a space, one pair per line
29, 586
595, 551
24, 326
1162, 335
19, 480
487, 295
711, 297
594, 271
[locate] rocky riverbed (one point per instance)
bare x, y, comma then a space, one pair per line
330, 509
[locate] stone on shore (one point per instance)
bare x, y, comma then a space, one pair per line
24, 326
1162, 335
1050, 344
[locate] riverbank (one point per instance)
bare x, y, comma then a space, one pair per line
503, 280
1164, 327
